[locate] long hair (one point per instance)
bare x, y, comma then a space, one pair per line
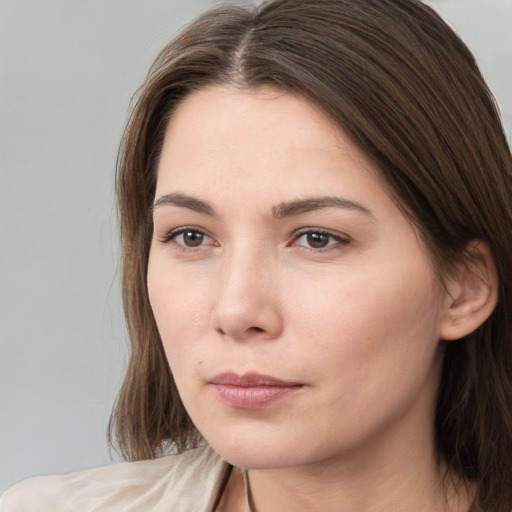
408, 92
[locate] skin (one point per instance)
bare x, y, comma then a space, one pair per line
356, 323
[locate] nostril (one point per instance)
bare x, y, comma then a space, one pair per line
251, 329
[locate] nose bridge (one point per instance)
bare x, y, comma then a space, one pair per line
247, 302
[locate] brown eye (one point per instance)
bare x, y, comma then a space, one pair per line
187, 237
192, 238
317, 240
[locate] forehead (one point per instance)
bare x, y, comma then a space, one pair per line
221, 134
219, 113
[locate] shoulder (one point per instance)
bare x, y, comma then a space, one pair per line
189, 480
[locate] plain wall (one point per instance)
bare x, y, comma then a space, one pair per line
68, 69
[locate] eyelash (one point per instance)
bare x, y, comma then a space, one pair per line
336, 239
171, 236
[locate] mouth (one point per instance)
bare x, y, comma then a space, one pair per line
251, 391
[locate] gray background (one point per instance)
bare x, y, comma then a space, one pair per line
68, 69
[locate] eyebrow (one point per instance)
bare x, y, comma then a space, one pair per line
184, 201
317, 203
282, 210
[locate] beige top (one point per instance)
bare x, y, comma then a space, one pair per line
189, 482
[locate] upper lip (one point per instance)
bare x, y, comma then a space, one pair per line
250, 379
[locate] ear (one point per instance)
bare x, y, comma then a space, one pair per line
473, 293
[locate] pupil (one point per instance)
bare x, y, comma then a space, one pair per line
192, 238
317, 240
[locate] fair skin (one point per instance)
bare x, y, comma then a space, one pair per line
278, 251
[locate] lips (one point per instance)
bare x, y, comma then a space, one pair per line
251, 391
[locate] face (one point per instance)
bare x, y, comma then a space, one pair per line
297, 306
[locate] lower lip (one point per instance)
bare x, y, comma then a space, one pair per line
252, 397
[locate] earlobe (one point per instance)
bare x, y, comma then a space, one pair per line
473, 293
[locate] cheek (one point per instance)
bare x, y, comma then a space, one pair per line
180, 308
368, 319
372, 350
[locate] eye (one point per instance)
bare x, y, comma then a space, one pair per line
188, 237
318, 239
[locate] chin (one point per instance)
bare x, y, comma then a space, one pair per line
253, 457
258, 451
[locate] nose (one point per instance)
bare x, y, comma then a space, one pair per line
248, 303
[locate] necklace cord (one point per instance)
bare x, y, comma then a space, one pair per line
248, 492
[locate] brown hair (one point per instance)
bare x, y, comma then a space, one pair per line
397, 79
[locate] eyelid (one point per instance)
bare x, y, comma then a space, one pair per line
171, 235
341, 238
323, 231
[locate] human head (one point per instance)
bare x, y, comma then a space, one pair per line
395, 78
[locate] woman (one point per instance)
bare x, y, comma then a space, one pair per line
315, 203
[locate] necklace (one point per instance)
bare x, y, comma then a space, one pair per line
248, 492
